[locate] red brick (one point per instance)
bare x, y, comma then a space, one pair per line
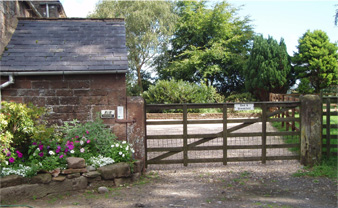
69, 100
79, 84
22, 84
82, 92
37, 101
67, 92
94, 100
13, 99
52, 101
40, 85
44, 92
59, 84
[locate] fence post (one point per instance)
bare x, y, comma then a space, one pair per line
264, 118
311, 131
225, 134
185, 135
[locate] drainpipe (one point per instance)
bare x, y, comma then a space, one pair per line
9, 82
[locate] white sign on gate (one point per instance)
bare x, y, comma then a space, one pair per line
244, 106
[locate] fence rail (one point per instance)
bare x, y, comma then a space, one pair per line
193, 141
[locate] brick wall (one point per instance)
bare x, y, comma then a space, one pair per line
72, 96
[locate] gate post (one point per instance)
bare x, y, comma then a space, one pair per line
311, 131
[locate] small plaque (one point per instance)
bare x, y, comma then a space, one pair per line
120, 112
107, 113
244, 106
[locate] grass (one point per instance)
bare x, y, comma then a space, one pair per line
328, 166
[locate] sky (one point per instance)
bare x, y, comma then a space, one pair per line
280, 19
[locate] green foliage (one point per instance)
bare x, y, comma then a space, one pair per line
327, 168
209, 45
165, 92
149, 25
268, 68
241, 98
316, 61
20, 124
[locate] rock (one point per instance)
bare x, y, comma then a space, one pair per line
55, 172
73, 175
91, 168
135, 176
91, 180
59, 178
42, 178
122, 181
115, 171
70, 171
76, 163
92, 174
103, 190
11, 180
138, 167
27, 191
139, 205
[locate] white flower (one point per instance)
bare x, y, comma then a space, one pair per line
117, 145
123, 155
51, 152
38, 149
81, 142
6, 162
132, 150
72, 151
34, 154
112, 146
40, 164
124, 142
127, 148
120, 153
82, 150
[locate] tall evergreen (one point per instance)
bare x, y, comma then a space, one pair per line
316, 62
268, 68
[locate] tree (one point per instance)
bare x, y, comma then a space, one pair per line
149, 24
316, 62
209, 45
268, 68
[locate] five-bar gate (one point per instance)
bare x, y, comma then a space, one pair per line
235, 140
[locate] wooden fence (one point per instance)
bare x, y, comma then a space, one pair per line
329, 130
192, 142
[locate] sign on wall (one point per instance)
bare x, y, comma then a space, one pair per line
107, 113
120, 113
244, 106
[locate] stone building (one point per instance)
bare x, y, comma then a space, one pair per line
76, 68
11, 10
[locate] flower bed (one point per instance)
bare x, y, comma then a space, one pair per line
28, 146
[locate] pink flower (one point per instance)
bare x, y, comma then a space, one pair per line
57, 150
71, 147
61, 156
77, 141
19, 154
82, 150
87, 132
11, 160
41, 154
59, 147
88, 141
8, 154
77, 137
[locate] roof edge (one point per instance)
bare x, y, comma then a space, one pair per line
61, 73
73, 18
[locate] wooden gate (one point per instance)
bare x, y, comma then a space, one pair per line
257, 144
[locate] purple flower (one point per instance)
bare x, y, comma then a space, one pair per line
57, 150
59, 147
19, 154
77, 137
41, 154
71, 147
41, 147
48, 147
34, 143
66, 150
11, 160
61, 156
8, 154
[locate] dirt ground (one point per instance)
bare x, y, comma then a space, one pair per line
235, 185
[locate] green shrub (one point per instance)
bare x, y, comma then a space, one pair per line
166, 92
20, 124
239, 98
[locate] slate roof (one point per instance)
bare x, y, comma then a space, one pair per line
46, 45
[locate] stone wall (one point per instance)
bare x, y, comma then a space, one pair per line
76, 177
71, 97
9, 11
